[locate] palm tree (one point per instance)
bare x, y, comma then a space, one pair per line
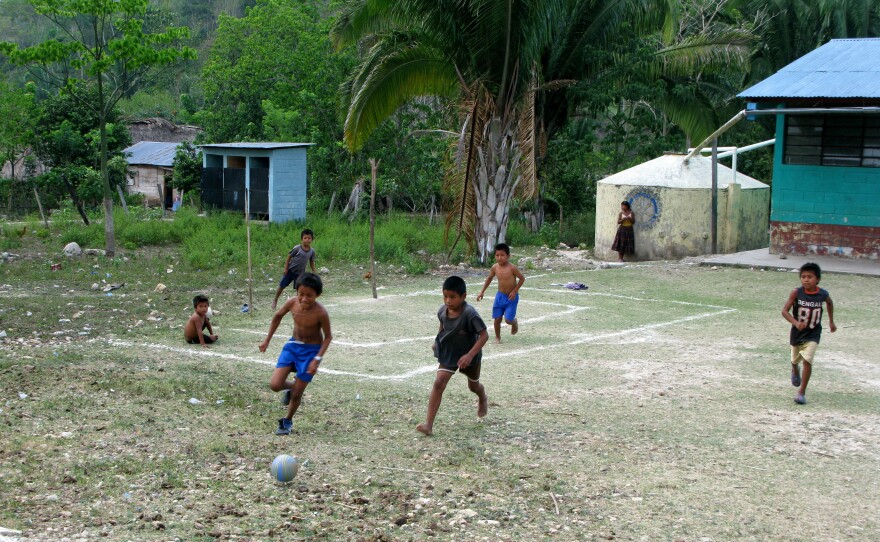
485, 55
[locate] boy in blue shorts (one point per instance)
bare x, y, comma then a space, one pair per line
510, 280
299, 256
304, 351
458, 347
803, 310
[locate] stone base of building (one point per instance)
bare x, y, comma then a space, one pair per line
806, 239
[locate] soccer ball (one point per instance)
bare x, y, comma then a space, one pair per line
284, 468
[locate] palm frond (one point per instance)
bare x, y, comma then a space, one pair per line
390, 82
528, 145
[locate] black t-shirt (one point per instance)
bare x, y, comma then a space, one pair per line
458, 335
807, 308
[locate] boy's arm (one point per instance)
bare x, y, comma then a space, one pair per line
276, 321
325, 344
465, 361
487, 283
786, 311
520, 279
197, 321
287, 263
830, 305
312, 263
208, 325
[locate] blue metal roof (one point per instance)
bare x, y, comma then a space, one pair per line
257, 145
846, 68
151, 153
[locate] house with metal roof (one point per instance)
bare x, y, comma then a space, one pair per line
826, 170
267, 178
150, 167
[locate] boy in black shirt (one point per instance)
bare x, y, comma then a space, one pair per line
804, 311
458, 348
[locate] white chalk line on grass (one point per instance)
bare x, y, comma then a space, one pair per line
208, 353
354, 345
613, 334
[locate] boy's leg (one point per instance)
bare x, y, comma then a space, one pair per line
296, 392
805, 379
497, 323
278, 381
483, 401
437, 390
510, 316
795, 374
277, 295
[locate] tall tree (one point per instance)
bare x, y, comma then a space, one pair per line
482, 53
17, 109
103, 42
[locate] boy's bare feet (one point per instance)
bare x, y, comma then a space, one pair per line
514, 327
482, 406
497, 340
424, 428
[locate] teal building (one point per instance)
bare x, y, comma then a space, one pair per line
826, 170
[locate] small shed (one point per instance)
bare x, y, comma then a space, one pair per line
273, 174
826, 166
672, 202
150, 167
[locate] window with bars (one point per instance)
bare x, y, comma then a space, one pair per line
832, 140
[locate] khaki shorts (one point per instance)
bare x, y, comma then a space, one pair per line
804, 351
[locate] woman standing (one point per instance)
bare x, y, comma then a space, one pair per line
625, 240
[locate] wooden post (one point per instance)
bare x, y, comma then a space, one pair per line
40, 205
374, 166
161, 198
332, 203
122, 199
247, 219
713, 214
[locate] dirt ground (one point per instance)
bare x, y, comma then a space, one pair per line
655, 405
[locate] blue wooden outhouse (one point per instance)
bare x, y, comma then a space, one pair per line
273, 174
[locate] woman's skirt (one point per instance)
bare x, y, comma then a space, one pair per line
625, 240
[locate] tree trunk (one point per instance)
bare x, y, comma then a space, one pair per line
109, 231
496, 178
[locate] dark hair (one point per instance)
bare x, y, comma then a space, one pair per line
504, 247
199, 299
307, 232
624, 202
310, 280
455, 284
812, 268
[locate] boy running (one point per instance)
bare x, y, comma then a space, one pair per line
304, 350
803, 310
296, 263
458, 347
510, 280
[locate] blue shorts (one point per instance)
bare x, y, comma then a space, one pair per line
298, 355
288, 279
504, 307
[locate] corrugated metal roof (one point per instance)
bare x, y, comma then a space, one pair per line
151, 153
258, 145
846, 68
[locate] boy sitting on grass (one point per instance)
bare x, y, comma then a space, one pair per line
458, 347
193, 331
304, 350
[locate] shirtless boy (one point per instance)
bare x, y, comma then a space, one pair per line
193, 331
304, 350
510, 280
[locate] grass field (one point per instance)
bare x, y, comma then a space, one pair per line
654, 406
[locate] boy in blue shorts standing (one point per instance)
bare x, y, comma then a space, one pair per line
803, 310
304, 350
295, 265
510, 280
458, 347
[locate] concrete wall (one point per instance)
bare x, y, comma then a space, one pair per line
673, 223
825, 210
146, 181
287, 184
